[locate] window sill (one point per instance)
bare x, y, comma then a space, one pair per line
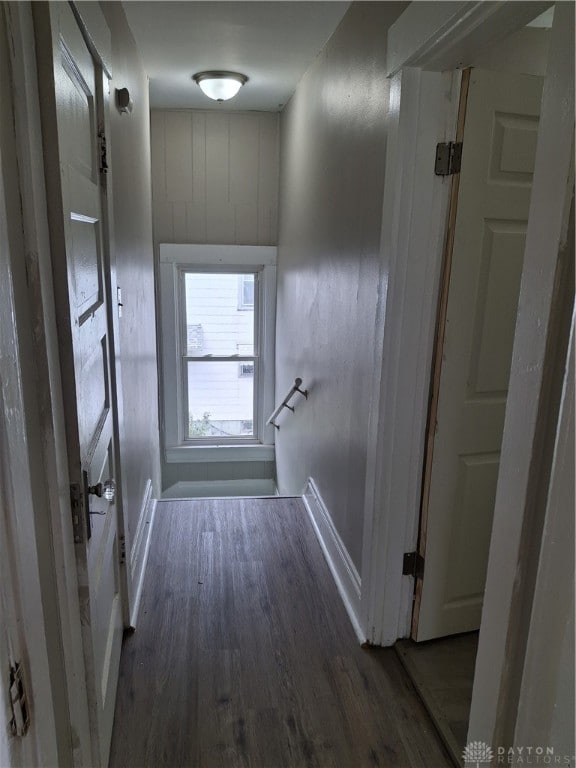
186, 454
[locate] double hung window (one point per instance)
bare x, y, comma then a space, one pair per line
220, 353
217, 346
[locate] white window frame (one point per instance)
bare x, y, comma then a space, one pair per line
174, 260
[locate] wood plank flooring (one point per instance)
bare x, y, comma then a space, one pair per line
244, 656
443, 673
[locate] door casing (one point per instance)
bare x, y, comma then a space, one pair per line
457, 384
86, 21
27, 58
426, 41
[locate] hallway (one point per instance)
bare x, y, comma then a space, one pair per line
244, 654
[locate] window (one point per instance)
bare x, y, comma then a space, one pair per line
216, 404
246, 369
217, 347
245, 291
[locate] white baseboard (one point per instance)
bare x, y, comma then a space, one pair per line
139, 550
337, 556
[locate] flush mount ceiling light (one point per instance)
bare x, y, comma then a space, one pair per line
220, 86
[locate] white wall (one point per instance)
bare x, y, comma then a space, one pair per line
331, 186
215, 177
214, 181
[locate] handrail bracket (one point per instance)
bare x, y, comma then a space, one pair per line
285, 403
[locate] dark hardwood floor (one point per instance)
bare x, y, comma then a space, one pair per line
244, 656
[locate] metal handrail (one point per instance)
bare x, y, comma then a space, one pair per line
285, 403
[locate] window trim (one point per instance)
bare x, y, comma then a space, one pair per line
178, 258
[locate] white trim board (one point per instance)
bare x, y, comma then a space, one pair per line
397, 419
23, 601
61, 604
552, 191
250, 488
208, 454
337, 556
423, 108
96, 31
174, 258
422, 112
445, 35
200, 255
139, 550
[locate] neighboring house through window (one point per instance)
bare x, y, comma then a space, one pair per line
246, 291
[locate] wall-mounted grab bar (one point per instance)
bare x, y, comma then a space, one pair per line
285, 403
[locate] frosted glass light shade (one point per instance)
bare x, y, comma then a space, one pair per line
220, 86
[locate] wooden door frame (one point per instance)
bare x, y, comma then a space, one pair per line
70, 715
23, 622
436, 369
427, 47
512, 543
97, 36
64, 703
88, 20
427, 40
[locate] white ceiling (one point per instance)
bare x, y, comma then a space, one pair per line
273, 43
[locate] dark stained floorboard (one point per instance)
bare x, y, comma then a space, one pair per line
244, 656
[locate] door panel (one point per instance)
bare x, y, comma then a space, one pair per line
468, 553
85, 343
500, 270
499, 147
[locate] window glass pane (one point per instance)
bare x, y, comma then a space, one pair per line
247, 292
220, 400
219, 314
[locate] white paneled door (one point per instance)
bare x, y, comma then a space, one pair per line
499, 147
78, 236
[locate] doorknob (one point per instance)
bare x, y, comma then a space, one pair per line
106, 489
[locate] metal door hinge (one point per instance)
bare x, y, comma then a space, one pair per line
20, 720
122, 550
103, 157
448, 158
76, 503
413, 565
